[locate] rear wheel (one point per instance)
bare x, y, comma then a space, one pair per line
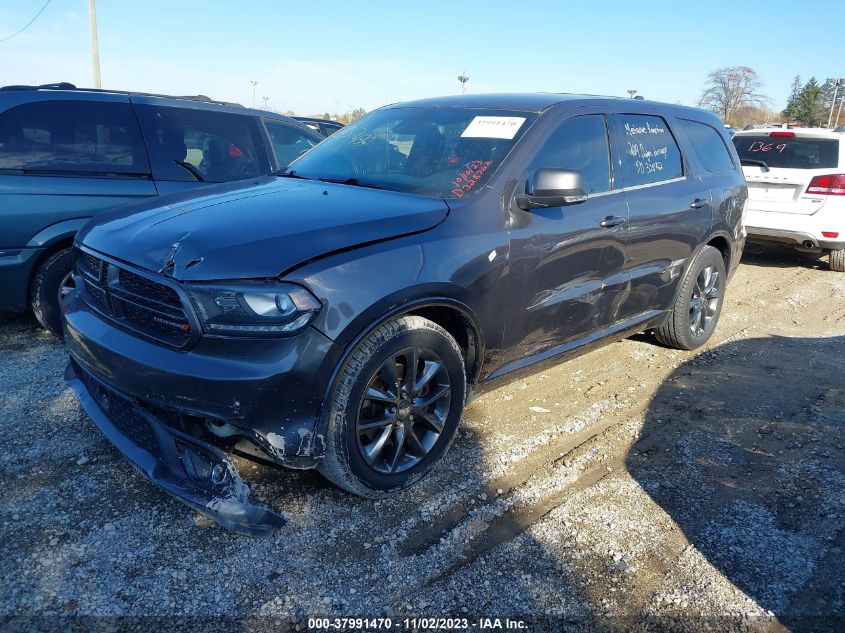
395, 407
52, 281
837, 260
699, 304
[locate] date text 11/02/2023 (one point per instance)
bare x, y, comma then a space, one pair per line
417, 624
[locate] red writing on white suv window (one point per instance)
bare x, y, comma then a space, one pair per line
760, 146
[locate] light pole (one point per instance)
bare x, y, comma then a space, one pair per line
463, 79
254, 84
632, 93
839, 82
266, 99
95, 46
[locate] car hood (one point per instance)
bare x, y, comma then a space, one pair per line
259, 230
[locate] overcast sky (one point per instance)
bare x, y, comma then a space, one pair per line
314, 57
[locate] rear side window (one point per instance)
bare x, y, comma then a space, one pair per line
81, 137
649, 151
579, 143
191, 144
708, 145
795, 152
288, 142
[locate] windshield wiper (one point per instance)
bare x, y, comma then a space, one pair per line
289, 173
352, 181
757, 163
190, 169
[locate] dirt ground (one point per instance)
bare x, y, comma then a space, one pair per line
635, 488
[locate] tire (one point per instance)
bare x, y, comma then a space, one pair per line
385, 470
837, 261
44, 291
699, 294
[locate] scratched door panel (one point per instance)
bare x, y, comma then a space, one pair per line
669, 212
556, 253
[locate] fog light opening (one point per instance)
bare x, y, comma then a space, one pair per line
220, 428
219, 474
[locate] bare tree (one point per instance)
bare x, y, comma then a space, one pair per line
729, 89
754, 114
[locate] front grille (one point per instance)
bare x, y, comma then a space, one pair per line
144, 287
135, 301
98, 297
91, 264
121, 413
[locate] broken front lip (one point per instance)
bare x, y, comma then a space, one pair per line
179, 467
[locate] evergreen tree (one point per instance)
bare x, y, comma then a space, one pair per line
792, 102
807, 107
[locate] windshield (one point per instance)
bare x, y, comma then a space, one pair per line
444, 152
795, 152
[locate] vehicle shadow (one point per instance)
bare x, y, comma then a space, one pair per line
778, 256
449, 546
753, 473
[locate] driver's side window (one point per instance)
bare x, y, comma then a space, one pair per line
580, 143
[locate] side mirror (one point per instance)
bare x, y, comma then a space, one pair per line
552, 188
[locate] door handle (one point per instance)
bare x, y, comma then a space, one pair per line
697, 203
612, 220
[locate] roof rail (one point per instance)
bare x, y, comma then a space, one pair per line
203, 98
62, 85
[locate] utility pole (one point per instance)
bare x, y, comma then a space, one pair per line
266, 99
254, 84
95, 47
463, 79
632, 93
839, 111
833, 103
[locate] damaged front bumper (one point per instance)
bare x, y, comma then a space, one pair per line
193, 471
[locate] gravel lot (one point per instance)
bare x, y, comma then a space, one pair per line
634, 488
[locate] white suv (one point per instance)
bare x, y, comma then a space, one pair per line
796, 188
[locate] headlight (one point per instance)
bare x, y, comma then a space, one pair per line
253, 309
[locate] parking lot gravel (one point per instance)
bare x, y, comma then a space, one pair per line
635, 488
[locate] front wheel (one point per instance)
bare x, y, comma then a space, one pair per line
699, 304
395, 407
51, 283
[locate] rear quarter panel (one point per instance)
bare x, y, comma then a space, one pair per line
728, 189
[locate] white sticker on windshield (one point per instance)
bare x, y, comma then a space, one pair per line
493, 127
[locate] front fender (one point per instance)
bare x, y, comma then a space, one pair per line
356, 286
362, 290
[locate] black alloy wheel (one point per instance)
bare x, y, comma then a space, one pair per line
704, 302
403, 410
395, 407
698, 304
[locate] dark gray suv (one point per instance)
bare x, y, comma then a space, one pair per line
340, 315
67, 155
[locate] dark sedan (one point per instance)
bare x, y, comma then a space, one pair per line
340, 315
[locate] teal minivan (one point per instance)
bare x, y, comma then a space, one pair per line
68, 154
